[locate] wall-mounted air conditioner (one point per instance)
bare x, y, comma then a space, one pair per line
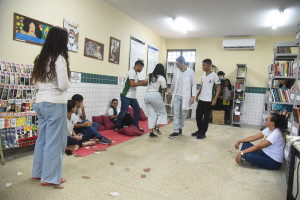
248, 44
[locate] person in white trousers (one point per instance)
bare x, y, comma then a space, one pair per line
157, 114
182, 93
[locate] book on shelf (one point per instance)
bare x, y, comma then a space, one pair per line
283, 50
283, 69
281, 95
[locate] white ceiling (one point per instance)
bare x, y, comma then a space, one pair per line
212, 18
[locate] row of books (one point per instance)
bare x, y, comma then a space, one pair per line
280, 95
15, 131
15, 67
283, 69
11, 78
8, 92
13, 107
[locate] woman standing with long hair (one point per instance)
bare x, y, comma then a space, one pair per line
51, 74
154, 101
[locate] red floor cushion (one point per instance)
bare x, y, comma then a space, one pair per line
130, 131
99, 120
107, 123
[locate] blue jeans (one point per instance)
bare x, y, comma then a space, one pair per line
90, 133
178, 112
51, 143
73, 141
81, 129
125, 102
259, 158
156, 109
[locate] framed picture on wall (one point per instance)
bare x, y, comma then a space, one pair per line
114, 50
30, 30
93, 49
73, 31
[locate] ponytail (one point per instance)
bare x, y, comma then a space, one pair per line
279, 121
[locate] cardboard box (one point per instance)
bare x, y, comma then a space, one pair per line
218, 116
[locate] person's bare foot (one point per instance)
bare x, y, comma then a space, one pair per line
88, 143
73, 147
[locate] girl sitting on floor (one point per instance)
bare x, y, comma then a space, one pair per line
268, 154
113, 113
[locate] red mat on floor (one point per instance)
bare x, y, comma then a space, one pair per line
113, 136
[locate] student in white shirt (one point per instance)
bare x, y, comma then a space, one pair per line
157, 114
206, 98
74, 141
51, 74
268, 154
128, 96
182, 93
84, 126
81, 122
113, 113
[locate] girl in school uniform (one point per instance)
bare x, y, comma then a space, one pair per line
157, 114
113, 113
51, 74
227, 100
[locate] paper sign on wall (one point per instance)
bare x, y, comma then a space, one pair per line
75, 77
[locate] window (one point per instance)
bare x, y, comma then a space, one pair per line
189, 55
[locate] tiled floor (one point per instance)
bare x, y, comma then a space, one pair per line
181, 168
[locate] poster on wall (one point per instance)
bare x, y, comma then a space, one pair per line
75, 77
152, 59
93, 49
137, 52
114, 50
73, 31
30, 30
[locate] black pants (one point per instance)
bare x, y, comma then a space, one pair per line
127, 120
227, 109
202, 116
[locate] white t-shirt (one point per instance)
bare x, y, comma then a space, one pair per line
180, 83
110, 111
70, 123
275, 150
77, 117
158, 85
128, 91
208, 84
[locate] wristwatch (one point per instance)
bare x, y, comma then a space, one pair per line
242, 153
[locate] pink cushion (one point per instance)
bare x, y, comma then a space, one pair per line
142, 116
98, 119
107, 122
101, 128
130, 131
130, 110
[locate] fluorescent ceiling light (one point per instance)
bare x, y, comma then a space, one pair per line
278, 18
180, 24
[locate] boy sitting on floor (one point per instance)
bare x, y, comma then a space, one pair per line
74, 141
83, 125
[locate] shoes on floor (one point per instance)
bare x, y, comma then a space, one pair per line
156, 129
152, 135
180, 131
195, 134
201, 136
105, 141
174, 135
62, 180
140, 129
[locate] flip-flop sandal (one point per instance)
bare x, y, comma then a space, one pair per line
62, 180
36, 178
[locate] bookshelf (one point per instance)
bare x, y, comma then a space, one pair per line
239, 94
285, 67
18, 119
190, 58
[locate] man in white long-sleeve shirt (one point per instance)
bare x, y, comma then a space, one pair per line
183, 91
